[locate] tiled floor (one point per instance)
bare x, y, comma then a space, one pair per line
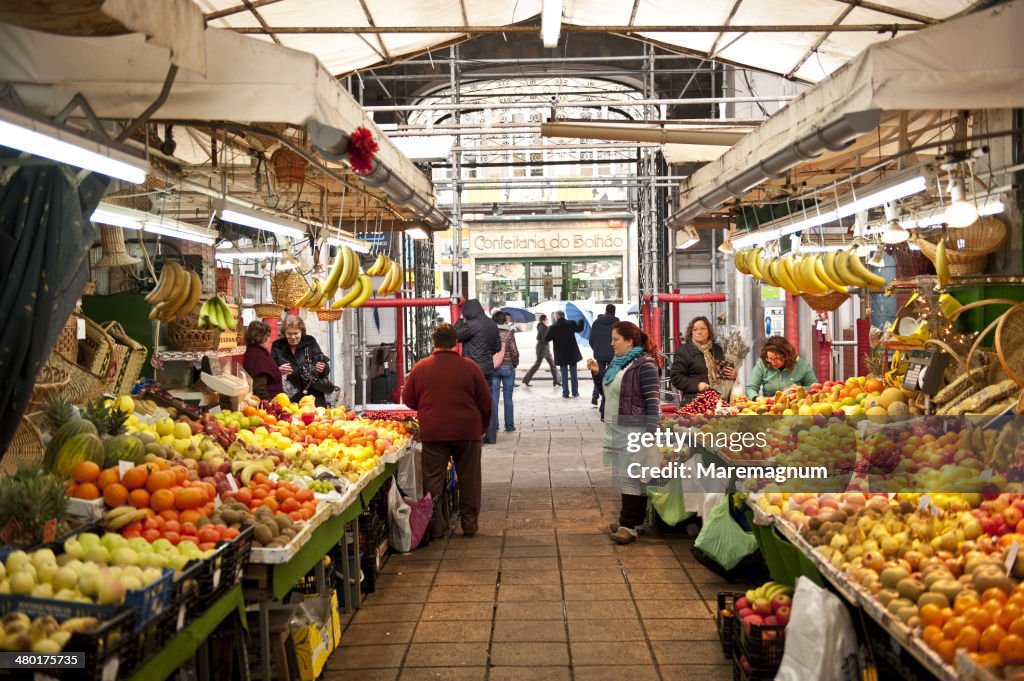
540, 593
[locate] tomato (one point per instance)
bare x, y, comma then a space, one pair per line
135, 527
304, 494
172, 537
207, 546
296, 515
131, 534
152, 523
172, 526
244, 496
283, 493
259, 494
229, 533
271, 503
151, 535
208, 534
188, 528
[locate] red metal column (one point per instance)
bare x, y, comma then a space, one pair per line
656, 327
824, 371
677, 339
792, 331
863, 345
645, 315
399, 347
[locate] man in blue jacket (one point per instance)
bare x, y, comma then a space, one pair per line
601, 344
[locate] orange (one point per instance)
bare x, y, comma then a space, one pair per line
162, 500
169, 514
931, 614
283, 494
87, 471
180, 474
115, 495
1009, 613
1017, 627
991, 637
969, 638
244, 496
951, 629
189, 516
873, 385
931, 635
86, 490
271, 503
946, 650
965, 602
186, 498
161, 480
1011, 648
994, 593
107, 477
981, 619
139, 498
135, 478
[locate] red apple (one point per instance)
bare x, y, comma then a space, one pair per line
741, 603
762, 606
744, 613
771, 620
1013, 516
753, 620
781, 601
782, 615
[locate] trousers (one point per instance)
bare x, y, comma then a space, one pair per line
466, 455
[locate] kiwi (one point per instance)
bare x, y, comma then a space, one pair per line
906, 508
262, 534
283, 521
815, 523
838, 517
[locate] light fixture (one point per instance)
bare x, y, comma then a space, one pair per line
129, 218
355, 244
417, 233
878, 260
286, 261
244, 253
686, 237
894, 232
960, 212
756, 238
550, 22
178, 230
118, 216
726, 246
42, 138
267, 222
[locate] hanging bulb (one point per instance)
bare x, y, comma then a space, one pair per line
726, 246
286, 262
894, 233
878, 259
863, 249
960, 212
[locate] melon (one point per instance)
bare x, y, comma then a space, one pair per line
898, 410
123, 448
877, 414
79, 448
63, 434
891, 396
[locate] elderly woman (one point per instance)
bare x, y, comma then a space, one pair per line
780, 368
301, 362
632, 405
699, 363
266, 376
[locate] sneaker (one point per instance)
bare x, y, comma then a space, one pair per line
576, 395
510, 430
526, 384
564, 396
624, 535
613, 528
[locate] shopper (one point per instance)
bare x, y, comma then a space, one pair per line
266, 376
503, 381
543, 353
453, 405
562, 335
480, 341
601, 344
779, 369
699, 363
632, 404
302, 363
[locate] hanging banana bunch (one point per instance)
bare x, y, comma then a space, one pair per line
344, 273
814, 274
176, 293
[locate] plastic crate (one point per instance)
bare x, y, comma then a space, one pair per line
224, 568
726, 603
761, 644
739, 673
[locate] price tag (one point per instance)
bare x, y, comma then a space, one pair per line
216, 578
924, 502
123, 467
1011, 556
181, 618
232, 483
273, 477
986, 475
217, 503
111, 668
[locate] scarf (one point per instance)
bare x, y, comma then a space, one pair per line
620, 362
710, 361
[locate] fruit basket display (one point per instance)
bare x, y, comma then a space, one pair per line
968, 249
184, 335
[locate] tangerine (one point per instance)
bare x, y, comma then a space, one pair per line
135, 478
161, 480
86, 471
981, 619
86, 490
162, 500
931, 614
1017, 627
190, 516
946, 650
139, 498
993, 593
991, 637
115, 495
951, 629
1011, 649
968, 638
108, 476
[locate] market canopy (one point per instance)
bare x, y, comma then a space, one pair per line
974, 62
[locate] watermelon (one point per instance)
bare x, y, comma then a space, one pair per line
63, 434
123, 448
78, 448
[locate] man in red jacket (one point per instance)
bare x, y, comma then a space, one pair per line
453, 404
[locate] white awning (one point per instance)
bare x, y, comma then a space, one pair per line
247, 80
974, 62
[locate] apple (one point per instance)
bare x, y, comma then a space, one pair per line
744, 613
771, 621
762, 606
741, 603
782, 615
753, 620
1012, 516
781, 601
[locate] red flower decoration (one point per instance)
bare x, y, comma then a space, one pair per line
361, 150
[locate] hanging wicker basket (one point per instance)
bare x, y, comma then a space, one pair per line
25, 449
268, 310
114, 252
910, 262
1009, 348
289, 167
825, 302
288, 287
224, 280
327, 314
967, 249
184, 335
67, 341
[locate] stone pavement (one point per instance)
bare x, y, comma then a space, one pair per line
540, 593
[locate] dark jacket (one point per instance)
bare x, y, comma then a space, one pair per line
511, 349
640, 397
542, 342
266, 377
562, 334
450, 396
601, 337
300, 382
479, 336
689, 369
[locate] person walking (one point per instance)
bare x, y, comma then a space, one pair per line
543, 353
453, 406
562, 335
480, 342
632, 404
698, 364
601, 344
779, 369
302, 363
257, 362
503, 381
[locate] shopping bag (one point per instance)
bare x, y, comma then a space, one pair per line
722, 539
401, 527
819, 636
420, 513
668, 502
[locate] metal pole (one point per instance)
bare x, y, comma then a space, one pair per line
457, 226
457, 106
400, 346
362, 356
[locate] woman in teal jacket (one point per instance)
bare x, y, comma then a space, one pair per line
779, 369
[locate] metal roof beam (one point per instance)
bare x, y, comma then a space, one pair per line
572, 28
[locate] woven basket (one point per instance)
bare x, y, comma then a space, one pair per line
114, 252
184, 336
825, 302
289, 167
288, 287
967, 249
231, 339
89, 289
95, 351
909, 262
1009, 345
224, 280
67, 341
327, 314
82, 385
268, 310
51, 380
134, 359
26, 448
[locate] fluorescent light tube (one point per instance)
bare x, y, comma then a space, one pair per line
914, 185
241, 254
550, 22
40, 138
178, 231
267, 222
687, 237
417, 233
107, 214
756, 238
355, 244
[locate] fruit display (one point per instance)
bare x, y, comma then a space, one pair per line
768, 604
814, 274
176, 293
21, 634
857, 396
214, 313
708, 402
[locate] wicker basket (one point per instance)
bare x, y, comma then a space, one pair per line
967, 249
327, 314
910, 263
268, 310
95, 351
1009, 348
26, 448
114, 252
184, 336
67, 341
134, 359
82, 385
288, 287
50, 380
289, 167
231, 339
89, 289
224, 280
825, 302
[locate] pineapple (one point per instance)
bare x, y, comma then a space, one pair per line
108, 419
58, 412
30, 500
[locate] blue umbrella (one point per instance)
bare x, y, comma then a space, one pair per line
633, 309
518, 315
574, 313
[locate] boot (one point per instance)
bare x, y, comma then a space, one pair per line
634, 508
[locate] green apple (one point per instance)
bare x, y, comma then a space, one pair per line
165, 426
88, 539
98, 554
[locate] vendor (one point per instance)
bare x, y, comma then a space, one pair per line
698, 364
266, 376
302, 363
779, 369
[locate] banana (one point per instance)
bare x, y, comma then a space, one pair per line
819, 271
204, 315
349, 267
809, 277
755, 263
163, 287
871, 279
941, 263
121, 516
828, 261
386, 285
354, 292
785, 278
158, 311
846, 274
364, 295
193, 292
229, 318
238, 465
739, 259
399, 279
318, 292
769, 273
251, 470
79, 624
378, 265
339, 267
304, 298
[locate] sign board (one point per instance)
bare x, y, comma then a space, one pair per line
557, 242
772, 293
774, 321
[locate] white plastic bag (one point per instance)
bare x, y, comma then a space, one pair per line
409, 475
819, 636
401, 528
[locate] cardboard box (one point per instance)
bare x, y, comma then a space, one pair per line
316, 632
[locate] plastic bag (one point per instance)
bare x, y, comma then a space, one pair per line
722, 539
401, 527
668, 502
421, 513
819, 636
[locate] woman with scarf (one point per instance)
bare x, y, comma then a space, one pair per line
266, 376
632, 405
698, 364
302, 363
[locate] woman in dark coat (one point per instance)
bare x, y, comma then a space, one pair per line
696, 366
562, 336
257, 362
302, 363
